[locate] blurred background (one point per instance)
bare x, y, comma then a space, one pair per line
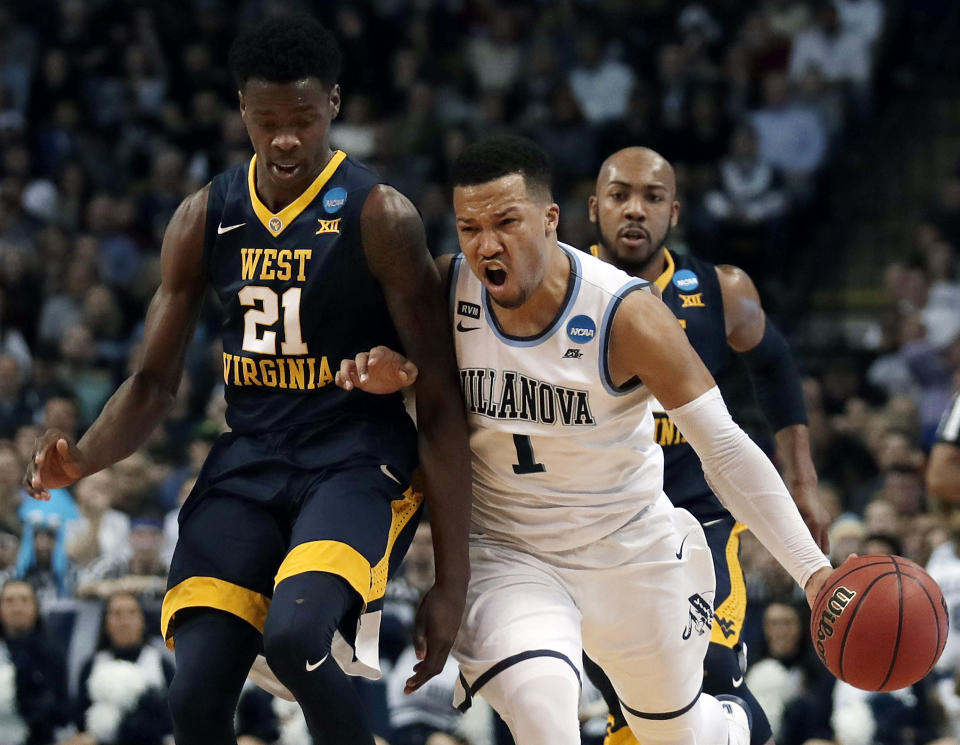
817, 145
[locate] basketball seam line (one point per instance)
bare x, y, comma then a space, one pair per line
896, 645
856, 609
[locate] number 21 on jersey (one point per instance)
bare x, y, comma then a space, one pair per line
264, 311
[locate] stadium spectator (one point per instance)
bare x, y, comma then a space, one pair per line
9, 547
101, 532
122, 692
32, 670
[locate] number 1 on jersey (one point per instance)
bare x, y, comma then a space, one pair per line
526, 462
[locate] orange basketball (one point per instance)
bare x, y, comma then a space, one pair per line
879, 622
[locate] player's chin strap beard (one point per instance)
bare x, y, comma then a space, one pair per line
628, 265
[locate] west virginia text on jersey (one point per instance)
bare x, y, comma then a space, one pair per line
282, 279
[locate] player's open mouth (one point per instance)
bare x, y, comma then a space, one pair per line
285, 170
495, 277
633, 236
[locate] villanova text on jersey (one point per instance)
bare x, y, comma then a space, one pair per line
521, 397
283, 280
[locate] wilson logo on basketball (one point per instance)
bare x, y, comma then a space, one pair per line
836, 605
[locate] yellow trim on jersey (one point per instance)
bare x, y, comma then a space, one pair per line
664, 279
345, 561
732, 611
277, 222
622, 736
211, 592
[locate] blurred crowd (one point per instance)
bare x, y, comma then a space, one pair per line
111, 111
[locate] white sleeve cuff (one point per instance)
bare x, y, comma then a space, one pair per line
748, 484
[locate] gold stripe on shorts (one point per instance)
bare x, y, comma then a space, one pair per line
211, 592
729, 615
403, 511
345, 561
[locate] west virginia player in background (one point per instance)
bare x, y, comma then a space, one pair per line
306, 500
634, 208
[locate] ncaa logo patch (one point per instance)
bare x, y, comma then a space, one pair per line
334, 200
581, 329
686, 280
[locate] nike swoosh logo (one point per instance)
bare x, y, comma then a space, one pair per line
221, 230
680, 550
461, 327
318, 663
737, 682
386, 472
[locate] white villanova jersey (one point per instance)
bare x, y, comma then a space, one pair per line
561, 456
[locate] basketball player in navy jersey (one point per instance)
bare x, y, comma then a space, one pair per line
301, 510
634, 208
574, 546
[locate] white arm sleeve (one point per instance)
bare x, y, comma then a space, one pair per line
748, 484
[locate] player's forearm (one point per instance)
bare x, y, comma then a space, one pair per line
793, 455
125, 423
445, 462
748, 484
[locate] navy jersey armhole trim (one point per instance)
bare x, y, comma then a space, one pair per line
214, 211
352, 216
452, 278
606, 327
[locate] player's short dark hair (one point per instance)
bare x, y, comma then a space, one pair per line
502, 155
285, 49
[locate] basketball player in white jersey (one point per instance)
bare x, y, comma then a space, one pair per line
559, 355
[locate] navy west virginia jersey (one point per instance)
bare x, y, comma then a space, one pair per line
297, 299
692, 291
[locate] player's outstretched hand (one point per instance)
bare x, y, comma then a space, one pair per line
56, 463
815, 515
818, 579
381, 370
434, 631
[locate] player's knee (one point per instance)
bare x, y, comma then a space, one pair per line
304, 615
702, 724
543, 711
291, 644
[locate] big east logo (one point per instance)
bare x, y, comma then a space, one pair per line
581, 329
832, 611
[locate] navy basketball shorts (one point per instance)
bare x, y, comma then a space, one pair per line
259, 515
730, 606
726, 661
